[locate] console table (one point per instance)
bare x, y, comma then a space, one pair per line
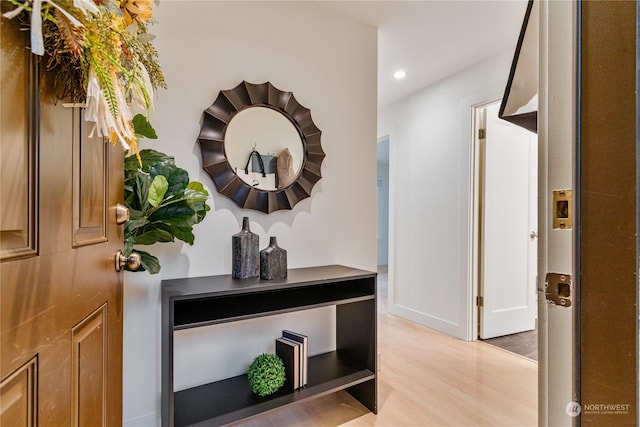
201, 301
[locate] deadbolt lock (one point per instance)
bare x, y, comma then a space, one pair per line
557, 289
122, 214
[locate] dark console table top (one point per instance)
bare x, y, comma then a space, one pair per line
224, 284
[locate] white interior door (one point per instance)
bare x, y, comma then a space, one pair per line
509, 228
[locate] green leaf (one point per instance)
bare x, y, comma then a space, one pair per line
106, 82
143, 182
177, 178
149, 263
130, 199
197, 186
166, 213
185, 234
157, 190
153, 236
193, 195
142, 127
178, 221
148, 157
201, 209
131, 226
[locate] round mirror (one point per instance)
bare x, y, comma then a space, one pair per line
261, 147
255, 142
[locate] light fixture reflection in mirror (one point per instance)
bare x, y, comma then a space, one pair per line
266, 131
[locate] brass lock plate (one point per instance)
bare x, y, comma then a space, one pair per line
562, 209
557, 289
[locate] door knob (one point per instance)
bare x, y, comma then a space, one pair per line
132, 262
122, 214
533, 234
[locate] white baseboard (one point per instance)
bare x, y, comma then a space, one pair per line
424, 319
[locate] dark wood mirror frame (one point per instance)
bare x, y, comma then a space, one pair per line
214, 160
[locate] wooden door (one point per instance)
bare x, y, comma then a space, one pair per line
60, 297
607, 241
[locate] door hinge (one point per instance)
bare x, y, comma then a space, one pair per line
482, 133
480, 301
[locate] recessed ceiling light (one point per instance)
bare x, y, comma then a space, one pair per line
400, 74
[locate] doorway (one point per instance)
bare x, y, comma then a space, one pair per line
506, 236
382, 192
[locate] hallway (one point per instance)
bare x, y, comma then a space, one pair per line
428, 379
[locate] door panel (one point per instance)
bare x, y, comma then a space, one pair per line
608, 213
62, 304
90, 164
18, 397
89, 339
17, 198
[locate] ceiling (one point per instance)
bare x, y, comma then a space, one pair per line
433, 39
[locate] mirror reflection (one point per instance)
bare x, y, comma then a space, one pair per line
264, 148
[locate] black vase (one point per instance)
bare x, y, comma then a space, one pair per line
245, 255
273, 261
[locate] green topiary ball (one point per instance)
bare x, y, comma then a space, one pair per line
266, 374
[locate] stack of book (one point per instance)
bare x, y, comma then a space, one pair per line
292, 348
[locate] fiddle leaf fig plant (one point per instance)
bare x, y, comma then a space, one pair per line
163, 204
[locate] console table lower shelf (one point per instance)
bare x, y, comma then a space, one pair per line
231, 399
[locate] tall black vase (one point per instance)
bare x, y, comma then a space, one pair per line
245, 253
273, 261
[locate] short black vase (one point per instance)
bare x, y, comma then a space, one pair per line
245, 255
273, 261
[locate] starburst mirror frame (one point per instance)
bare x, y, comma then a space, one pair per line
215, 121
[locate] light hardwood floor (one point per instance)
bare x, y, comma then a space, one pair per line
427, 379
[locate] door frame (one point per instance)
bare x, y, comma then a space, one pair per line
475, 223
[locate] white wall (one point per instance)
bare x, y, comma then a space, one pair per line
329, 63
431, 152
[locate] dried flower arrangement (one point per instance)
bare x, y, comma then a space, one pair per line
102, 56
